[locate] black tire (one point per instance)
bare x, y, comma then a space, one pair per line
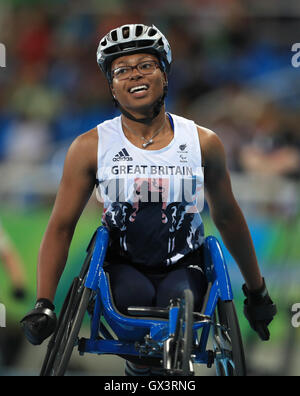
188, 331
70, 319
227, 341
61, 345
71, 336
177, 358
56, 338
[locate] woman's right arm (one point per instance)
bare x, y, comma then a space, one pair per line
75, 189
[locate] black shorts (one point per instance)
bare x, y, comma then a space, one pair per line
132, 285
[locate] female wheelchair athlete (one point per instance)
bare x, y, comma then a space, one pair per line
174, 338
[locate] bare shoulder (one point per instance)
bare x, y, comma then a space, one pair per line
83, 149
211, 145
86, 140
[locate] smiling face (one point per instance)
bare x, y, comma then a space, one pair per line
139, 91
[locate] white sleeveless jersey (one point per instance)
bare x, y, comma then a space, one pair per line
152, 198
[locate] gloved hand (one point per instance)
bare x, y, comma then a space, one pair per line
259, 309
40, 322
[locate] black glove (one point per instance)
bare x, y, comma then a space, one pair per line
259, 309
40, 322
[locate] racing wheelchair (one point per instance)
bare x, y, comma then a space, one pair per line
174, 338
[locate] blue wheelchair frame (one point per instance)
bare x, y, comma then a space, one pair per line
144, 336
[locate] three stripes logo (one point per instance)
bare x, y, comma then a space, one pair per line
122, 155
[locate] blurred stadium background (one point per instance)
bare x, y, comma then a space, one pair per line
232, 73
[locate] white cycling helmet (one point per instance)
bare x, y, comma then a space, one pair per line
132, 39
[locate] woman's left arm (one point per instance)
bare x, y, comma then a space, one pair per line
225, 210
259, 309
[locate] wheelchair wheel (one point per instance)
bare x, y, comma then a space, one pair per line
227, 341
65, 337
177, 354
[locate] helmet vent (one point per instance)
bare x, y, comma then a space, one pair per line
125, 32
152, 32
114, 35
111, 50
125, 46
144, 43
139, 30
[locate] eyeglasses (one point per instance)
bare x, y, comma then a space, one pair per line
124, 72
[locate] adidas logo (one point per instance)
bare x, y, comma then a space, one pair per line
122, 155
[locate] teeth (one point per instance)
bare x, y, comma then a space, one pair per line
139, 88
